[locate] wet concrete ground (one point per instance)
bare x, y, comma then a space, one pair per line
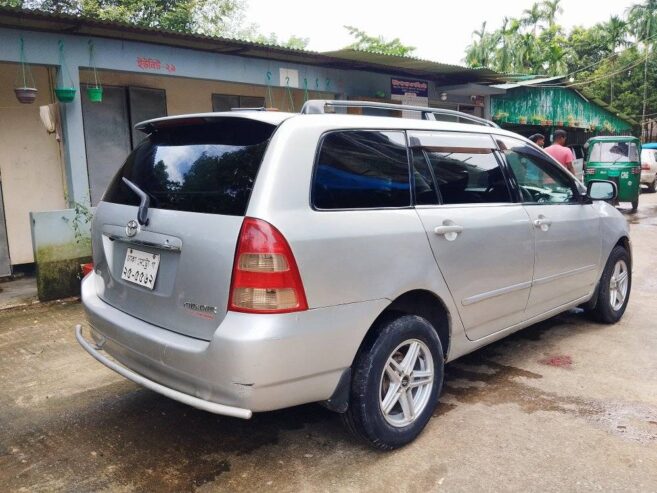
566, 405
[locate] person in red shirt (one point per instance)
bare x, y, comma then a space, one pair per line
560, 152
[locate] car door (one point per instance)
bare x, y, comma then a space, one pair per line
566, 228
482, 241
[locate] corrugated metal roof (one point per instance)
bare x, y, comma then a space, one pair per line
345, 59
530, 82
414, 65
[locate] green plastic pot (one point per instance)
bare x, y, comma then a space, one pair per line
95, 94
65, 94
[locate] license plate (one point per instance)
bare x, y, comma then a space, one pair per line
140, 267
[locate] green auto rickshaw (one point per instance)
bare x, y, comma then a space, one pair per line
615, 158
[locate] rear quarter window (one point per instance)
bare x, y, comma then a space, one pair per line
362, 170
206, 168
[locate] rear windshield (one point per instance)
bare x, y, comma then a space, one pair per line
614, 152
207, 167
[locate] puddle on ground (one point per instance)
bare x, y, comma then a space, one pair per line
507, 384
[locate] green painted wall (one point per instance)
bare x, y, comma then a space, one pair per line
556, 104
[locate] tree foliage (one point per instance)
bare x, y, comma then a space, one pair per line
378, 44
605, 59
211, 17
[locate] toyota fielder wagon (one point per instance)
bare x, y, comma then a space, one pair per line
250, 260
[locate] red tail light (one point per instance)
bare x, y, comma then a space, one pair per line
266, 278
590, 171
87, 268
636, 170
645, 166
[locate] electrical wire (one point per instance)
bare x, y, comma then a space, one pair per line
594, 79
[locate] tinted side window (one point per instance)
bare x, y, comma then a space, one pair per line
362, 169
538, 179
468, 176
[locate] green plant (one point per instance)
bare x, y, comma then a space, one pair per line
500, 115
82, 215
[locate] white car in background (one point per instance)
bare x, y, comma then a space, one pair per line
649, 169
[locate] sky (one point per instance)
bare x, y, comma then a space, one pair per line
439, 29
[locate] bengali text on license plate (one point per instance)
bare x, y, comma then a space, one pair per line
140, 267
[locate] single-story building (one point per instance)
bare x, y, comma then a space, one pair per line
60, 151
544, 104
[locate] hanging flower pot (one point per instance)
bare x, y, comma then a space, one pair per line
26, 95
64, 94
95, 94
94, 89
25, 88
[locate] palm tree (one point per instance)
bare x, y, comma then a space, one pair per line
479, 53
507, 35
551, 8
615, 33
556, 59
643, 20
525, 52
532, 17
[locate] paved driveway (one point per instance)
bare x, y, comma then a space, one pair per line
566, 405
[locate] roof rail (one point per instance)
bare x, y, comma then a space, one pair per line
255, 108
318, 106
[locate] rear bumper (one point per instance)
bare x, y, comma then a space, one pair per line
647, 177
252, 363
95, 350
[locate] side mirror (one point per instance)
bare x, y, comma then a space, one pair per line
601, 190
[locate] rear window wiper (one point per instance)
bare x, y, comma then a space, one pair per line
144, 202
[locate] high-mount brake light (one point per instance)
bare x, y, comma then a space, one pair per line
266, 278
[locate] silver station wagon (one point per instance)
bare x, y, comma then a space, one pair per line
250, 260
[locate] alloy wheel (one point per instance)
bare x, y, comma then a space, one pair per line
618, 285
406, 383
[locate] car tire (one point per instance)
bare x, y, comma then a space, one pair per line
614, 290
652, 187
391, 379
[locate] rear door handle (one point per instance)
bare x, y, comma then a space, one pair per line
453, 228
543, 223
449, 231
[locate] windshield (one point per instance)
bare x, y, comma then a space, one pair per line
614, 152
208, 168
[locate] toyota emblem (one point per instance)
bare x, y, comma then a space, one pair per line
132, 228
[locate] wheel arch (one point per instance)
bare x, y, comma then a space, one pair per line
420, 302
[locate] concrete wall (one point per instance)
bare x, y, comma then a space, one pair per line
30, 162
187, 95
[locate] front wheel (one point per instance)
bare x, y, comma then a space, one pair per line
397, 378
615, 287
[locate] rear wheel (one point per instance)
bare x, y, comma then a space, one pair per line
652, 187
615, 287
397, 378
635, 205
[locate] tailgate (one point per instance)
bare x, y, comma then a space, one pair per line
175, 269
